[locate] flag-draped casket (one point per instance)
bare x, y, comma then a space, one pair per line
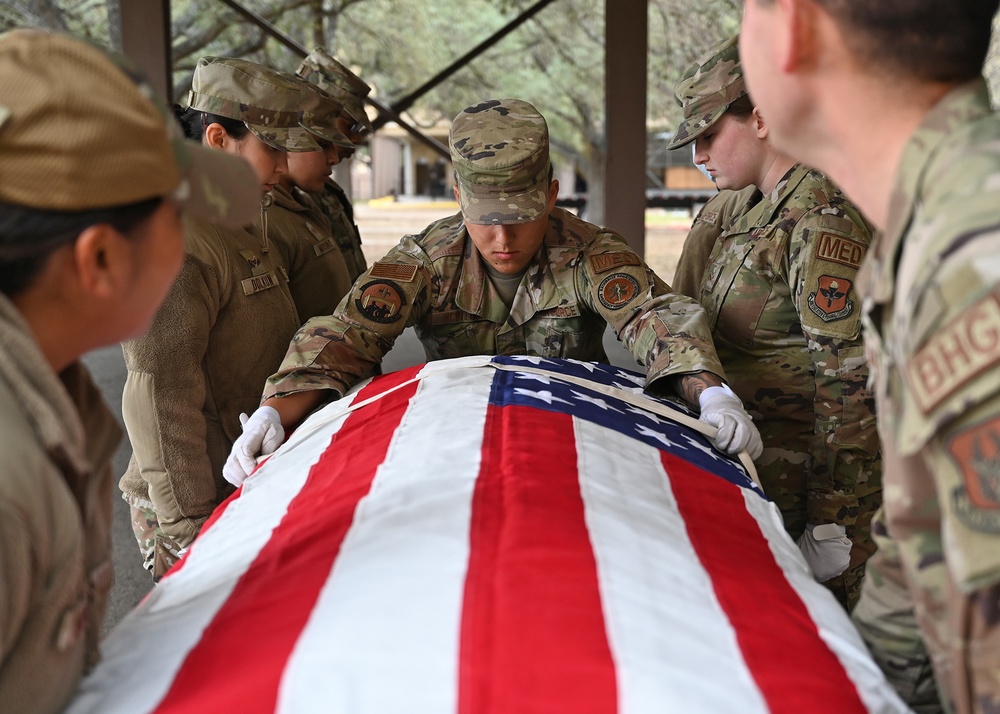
491, 535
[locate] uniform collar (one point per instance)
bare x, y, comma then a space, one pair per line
766, 209
284, 198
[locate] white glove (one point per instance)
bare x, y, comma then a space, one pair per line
724, 410
262, 435
827, 550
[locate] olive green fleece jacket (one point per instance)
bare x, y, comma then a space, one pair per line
222, 330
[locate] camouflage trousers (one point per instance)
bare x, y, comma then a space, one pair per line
846, 587
887, 621
159, 553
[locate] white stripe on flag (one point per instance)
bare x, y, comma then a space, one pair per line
394, 648
172, 618
661, 612
834, 629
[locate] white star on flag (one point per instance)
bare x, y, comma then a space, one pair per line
544, 379
596, 401
544, 396
643, 413
642, 430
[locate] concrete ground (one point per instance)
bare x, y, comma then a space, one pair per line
381, 225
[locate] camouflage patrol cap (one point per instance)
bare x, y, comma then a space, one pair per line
500, 150
268, 102
321, 69
707, 89
319, 115
82, 130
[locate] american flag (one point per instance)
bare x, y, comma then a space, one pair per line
481, 536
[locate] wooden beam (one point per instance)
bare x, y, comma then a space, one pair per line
145, 33
626, 46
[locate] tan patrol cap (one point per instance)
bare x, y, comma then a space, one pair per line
500, 151
81, 130
266, 100
319, 115
346, 87
707, 89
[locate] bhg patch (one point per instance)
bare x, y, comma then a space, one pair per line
830, 301
380, 301
976, 453
618, 290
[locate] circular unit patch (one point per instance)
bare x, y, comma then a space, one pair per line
618, 290
380, 301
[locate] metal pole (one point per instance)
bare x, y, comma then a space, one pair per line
407, 101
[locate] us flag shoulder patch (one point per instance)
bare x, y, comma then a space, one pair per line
403, 272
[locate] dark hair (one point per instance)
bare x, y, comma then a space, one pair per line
928, 40
741, 107
28, 236
195, 122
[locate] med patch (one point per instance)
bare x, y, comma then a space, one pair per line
603, 262
840, 249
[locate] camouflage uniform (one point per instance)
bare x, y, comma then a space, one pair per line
786, 322
324, 71
712, 220
583, 278
780, 296
932, 320
318, 275
337, 208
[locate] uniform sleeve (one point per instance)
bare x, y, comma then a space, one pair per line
825, 253
665, 332
337, 351
16, 549
163, 401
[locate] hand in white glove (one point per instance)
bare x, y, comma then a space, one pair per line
724, 410
262, 435
827, 550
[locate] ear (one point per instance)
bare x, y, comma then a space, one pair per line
216, 136
102, 260
759, 124
553, 194
797, 34
455, 191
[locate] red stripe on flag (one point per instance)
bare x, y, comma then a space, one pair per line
533, 636
238, 663
796, 671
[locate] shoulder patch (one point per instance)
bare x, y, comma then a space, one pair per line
380, 301
840, 249
403, 272
603, 262
976, 452
966, 347
830, 299
618, 290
